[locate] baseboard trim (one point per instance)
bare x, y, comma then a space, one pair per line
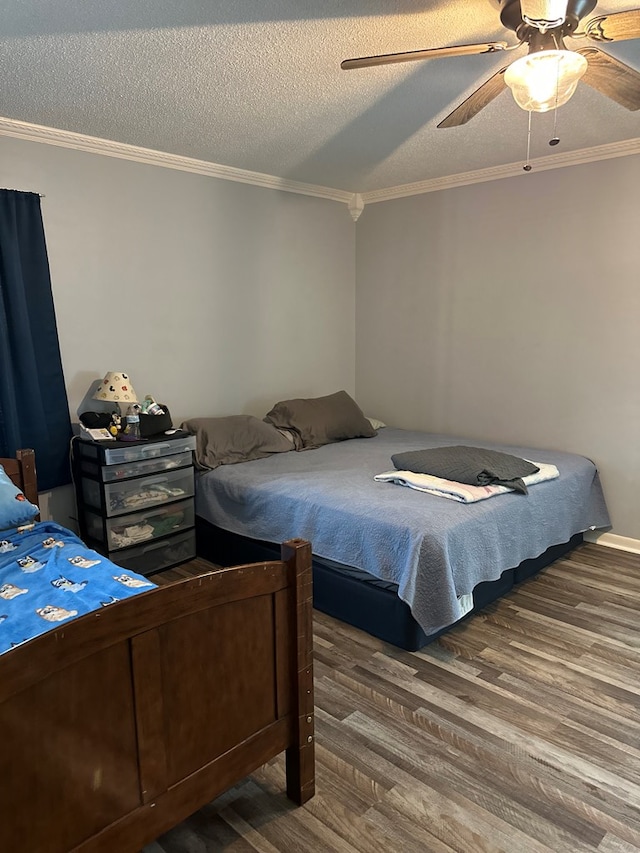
612, 540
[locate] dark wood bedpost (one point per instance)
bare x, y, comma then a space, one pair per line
300, 758
27, 460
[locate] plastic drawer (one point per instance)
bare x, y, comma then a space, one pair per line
122, 452
158, 554
136, 452
127, 496
124, 470
125, 531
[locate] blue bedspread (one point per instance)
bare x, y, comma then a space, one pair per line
48, 576
435, 550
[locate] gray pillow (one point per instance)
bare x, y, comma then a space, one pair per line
321, 420
236, 438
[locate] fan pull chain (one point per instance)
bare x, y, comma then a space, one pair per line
527, 165
555, 139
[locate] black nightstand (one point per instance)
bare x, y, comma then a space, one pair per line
136, 500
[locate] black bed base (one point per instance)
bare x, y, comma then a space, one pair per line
358, 598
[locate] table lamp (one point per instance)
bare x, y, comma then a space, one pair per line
116, 388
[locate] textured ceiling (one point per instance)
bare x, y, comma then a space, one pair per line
257, 85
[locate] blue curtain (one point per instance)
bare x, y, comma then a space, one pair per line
34, 410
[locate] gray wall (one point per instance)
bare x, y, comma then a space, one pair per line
507, 310
510, 311
216, 297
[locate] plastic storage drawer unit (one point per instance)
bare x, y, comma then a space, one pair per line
136, 501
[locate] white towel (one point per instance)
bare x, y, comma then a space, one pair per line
462, 492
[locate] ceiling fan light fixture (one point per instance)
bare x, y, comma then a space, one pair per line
544, 14
546, 79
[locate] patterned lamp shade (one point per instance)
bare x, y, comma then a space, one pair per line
116, 388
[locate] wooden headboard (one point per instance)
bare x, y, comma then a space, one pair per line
22, 471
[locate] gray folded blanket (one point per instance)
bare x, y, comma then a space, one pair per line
476, 466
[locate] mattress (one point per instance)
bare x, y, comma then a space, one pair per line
434, 551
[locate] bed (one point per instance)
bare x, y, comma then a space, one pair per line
401, 564
120, 723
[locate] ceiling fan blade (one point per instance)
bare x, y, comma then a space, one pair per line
477, 101
430, 53
613, 78
616, 27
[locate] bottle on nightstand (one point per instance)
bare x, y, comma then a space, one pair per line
131, 431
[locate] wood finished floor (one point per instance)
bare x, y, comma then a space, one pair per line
519, 730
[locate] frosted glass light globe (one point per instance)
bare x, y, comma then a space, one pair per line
546, 79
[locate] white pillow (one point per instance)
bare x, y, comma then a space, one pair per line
376, 424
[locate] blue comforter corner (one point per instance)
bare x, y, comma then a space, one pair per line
49, 576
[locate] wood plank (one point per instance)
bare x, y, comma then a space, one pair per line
149, 709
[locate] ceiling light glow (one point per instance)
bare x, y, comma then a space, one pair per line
546, 79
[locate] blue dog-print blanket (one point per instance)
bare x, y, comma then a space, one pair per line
49, 576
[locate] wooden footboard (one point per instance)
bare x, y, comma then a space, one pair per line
122, 723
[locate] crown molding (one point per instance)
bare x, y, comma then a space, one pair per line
355, 201
356, 206
555, 161
109, 148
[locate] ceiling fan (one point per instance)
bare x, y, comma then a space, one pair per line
548, 75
